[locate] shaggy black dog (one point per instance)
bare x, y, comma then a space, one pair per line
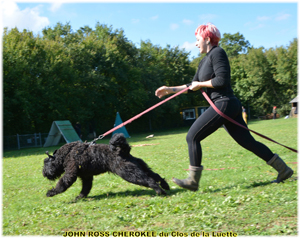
84, 160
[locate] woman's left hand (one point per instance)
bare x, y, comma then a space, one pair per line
195, 86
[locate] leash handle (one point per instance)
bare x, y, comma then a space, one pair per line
142, 113
233, 121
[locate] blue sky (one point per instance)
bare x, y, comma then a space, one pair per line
268, 24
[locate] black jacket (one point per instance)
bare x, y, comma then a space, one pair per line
215, 66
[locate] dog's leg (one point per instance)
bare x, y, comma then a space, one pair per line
87, 183
133, 174
153, 175
63, 184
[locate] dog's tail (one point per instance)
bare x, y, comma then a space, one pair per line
119, 143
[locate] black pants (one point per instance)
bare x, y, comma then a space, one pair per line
210, 121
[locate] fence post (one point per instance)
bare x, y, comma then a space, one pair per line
35, 142
18, 141
40, 135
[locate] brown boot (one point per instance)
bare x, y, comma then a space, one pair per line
284, 172
192, 182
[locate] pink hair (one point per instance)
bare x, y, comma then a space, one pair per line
210, 31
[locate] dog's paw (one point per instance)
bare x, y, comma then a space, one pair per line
50, 193
80, 196
164, 184
160, 192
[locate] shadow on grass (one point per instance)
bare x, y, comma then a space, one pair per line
252, 185
129, 193
258, 184
151, 193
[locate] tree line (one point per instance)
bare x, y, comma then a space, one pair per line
89, 75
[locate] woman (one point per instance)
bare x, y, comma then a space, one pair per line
214, 74
244, 114
274, 112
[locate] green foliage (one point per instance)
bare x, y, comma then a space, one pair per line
91, 74
235, 192
86, 76
266, 78
234, 44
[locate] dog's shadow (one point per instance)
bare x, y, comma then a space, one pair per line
150, 193
128, 193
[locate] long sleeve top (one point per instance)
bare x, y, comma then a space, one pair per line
215, 66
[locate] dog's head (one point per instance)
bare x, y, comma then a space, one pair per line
52, 168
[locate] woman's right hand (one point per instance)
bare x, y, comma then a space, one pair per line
162, 91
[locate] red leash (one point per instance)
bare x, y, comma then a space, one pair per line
233, 121
169, 98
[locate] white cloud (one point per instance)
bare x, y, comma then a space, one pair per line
263, 18
249, 23
174, 26
282, 17
258, 26
135, 21
189, 46
279, 17
154, 17
207, 17
55, 6
187, 22
29, 18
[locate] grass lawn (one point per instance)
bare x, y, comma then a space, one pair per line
235, 192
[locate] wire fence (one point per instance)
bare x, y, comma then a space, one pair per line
17, 142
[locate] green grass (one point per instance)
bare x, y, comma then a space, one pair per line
235, 191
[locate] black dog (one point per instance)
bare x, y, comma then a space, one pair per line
85, 160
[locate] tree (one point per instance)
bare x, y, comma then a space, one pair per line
267, 78
91, 74
283, 61
234, 44
23, 57
163, 66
